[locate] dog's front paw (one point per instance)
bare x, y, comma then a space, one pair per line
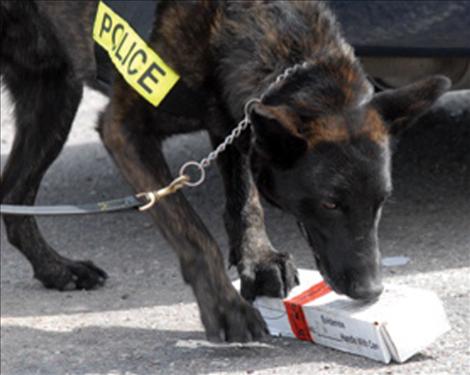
272, 274
66, 274
230, 318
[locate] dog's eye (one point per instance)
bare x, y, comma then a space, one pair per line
329, 205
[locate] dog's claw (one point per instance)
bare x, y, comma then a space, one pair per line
65, 274
274, 274
236, 321
226, 316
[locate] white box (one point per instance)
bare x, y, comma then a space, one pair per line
403, 322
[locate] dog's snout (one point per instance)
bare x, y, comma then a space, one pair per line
367, 292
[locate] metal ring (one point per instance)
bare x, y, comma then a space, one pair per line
198, 167
248, 105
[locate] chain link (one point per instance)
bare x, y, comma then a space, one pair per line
283, 76
183, 178
237, 131
234, 134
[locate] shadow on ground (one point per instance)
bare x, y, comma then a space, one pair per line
129, 350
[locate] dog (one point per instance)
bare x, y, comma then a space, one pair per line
319, 146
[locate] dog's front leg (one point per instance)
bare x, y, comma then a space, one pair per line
262, 269
224, 313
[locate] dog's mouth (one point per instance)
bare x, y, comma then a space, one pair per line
318, 261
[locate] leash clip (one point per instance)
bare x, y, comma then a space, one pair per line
154, 197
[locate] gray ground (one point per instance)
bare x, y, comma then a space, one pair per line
145, 321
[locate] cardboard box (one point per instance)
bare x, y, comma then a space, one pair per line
403, 322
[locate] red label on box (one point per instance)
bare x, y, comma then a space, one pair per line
296, 314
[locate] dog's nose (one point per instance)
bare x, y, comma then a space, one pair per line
369, 292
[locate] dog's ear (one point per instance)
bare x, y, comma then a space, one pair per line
400, 107
276, 134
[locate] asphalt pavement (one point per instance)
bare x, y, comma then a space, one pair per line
145, 320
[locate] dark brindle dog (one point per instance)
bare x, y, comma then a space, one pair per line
321, 148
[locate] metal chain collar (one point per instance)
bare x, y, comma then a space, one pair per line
200, 166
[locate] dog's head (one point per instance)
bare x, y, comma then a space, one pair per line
322, 153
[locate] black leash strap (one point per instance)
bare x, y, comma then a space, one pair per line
141, 201
126, 203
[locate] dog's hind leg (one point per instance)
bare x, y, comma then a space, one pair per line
262, 269
137, 151
46, 95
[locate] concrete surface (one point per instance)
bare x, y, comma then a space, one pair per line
145, 321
